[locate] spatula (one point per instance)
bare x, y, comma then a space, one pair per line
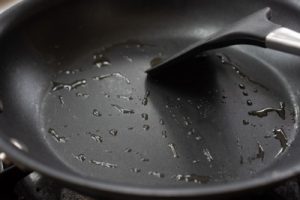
255, 29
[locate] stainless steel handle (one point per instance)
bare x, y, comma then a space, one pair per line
285, 40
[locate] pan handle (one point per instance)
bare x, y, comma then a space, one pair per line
285, 40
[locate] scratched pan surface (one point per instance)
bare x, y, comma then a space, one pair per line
76, 97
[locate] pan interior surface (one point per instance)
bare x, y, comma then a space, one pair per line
85, 101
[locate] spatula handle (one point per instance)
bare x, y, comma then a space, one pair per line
285, 40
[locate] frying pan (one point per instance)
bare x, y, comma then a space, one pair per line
79, 108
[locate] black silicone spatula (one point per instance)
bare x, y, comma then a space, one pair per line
255, 29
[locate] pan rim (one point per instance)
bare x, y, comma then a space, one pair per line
96, 187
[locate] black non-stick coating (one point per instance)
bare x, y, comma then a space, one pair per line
197, 138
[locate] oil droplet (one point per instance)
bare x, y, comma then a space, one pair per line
187, 121
261, 152
162, 122
117, 75
128, 150
83, 95
144, 159
145, 99
245, 93
193, 178
144, 116
173, 149
128, 58
128, 98
198, 137
59, 86
249, 103
80, 157
96, 138
264, 112
196, 161
101, 61
245, 122
122, 110
224, 59
191, 132
130, 128
61, 100
242, 86
156, 174
70, 72
56, 137
146, 127
164, 134
106, 95
208, 155
97, 113
103, 164
280, 135
135, 170
113, 132
156, 61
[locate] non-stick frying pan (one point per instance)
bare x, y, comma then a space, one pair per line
78, 107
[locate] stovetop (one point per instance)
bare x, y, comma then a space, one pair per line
37, 187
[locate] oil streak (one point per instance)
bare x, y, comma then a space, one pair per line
208, 155
280, 135
80, 94
173, 149
101, 61
117, 75
56, 137
156, 174
264, 112
103, 164
81, 157
135, 170
128, 98
61, 100
59, 86
261, 152
192, 178
128, 58
145, 99
96, 138
113, 132
122, 110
